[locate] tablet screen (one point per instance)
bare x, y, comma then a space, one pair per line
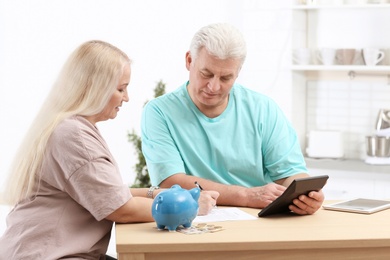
294, 190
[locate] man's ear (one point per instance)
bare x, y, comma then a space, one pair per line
188, 60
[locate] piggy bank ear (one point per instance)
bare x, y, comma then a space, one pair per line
195, 193
175, 186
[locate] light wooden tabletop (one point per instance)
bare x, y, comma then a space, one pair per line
323, 230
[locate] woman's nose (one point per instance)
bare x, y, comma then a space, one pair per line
126, 96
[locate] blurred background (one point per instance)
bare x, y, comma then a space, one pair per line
37, 37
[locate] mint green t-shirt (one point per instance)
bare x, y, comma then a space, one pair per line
250, 144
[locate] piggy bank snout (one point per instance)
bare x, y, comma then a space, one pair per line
195, 193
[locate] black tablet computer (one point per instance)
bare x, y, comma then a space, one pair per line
293, 191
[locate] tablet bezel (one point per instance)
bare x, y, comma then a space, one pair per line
301, 186
356, 206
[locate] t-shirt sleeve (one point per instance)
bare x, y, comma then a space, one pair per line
161, 154
98, 188
281, 149
78, 161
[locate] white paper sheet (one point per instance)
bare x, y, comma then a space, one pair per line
224, 214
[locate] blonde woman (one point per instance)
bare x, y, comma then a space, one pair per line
64, 183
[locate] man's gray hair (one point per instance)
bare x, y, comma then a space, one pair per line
221, 40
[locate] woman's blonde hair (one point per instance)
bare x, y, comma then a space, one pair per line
84, 86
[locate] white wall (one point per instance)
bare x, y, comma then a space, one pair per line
37, 36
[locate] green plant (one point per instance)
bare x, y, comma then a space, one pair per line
142, 179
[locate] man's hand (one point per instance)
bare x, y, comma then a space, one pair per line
308, 205
207, 201
260, 197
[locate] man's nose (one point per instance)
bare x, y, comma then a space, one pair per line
214, 84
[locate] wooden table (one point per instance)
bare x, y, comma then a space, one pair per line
324, 235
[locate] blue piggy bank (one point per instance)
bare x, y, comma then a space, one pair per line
175, 206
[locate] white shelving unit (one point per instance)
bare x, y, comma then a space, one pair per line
349, 26
348, 178
307, 14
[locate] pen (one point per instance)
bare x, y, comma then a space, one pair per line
200, 187
197, 184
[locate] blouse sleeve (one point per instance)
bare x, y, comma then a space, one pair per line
98, 188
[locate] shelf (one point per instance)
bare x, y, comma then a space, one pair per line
342, 72
313, 44
378, 68
340, 6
